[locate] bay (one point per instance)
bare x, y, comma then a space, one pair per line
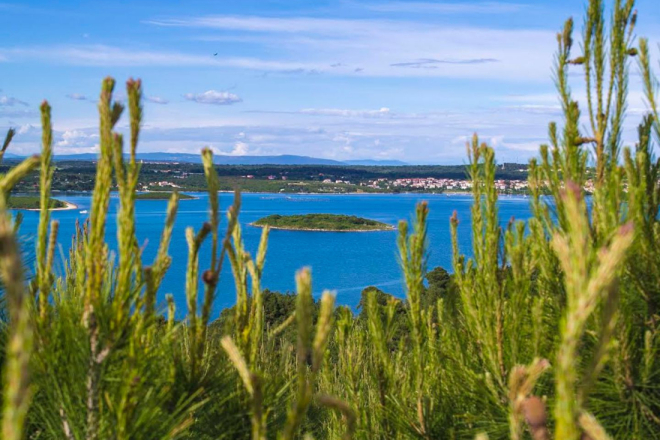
345, 262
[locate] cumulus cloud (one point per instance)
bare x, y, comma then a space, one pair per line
76, 141
156, 100
240, 149
213, 97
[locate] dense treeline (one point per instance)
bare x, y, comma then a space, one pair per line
550, 329
322, 222
31, 202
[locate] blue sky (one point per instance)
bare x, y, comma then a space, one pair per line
344, 79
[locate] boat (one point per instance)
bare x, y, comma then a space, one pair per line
84, 211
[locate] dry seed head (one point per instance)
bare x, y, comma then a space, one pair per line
454, 218
209, 277
535, 413
133, 83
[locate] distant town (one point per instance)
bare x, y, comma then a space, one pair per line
78, 175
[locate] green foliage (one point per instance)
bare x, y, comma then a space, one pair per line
322, 222
161, 195
32, 202
549, 329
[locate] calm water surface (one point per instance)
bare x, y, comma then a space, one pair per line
345, 262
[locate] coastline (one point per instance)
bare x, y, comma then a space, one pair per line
68, 207
354, 193
282, 228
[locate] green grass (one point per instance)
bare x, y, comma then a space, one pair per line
161, 195
32, 202
322, 222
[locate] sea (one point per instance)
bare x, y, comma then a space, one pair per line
343, 262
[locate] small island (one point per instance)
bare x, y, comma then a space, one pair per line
161, 195
322, 222
33, 203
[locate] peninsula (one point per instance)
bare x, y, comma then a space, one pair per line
32, 203
322, 222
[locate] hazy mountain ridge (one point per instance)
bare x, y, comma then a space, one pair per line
285, 159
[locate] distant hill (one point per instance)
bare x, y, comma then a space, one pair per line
285, 159
372, 162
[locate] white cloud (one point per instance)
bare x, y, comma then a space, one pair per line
156, 100
425, 138
257, 24
384, 111
26, 128
213, 97
76, 141
448, 8
76, 96
103, 55
9, 101
432, 63
305, 45
240, 149
382, 47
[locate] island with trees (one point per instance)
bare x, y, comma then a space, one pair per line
322, 222
33, 203
161, 195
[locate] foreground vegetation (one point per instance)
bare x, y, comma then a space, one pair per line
549, 330
32, 202
322, 222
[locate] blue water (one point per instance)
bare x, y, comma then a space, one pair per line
345, 262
